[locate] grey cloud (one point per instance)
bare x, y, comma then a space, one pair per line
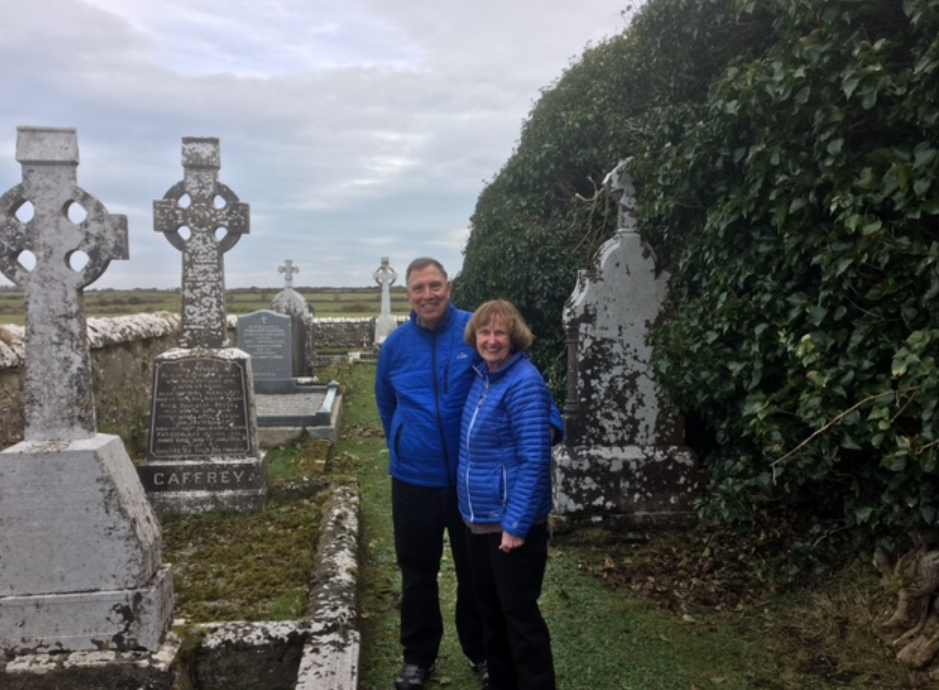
355, 129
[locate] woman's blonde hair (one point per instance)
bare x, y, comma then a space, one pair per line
520, 336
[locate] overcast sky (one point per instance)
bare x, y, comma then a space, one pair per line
354, 129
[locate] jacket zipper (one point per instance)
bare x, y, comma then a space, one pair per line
443, 436
469, 433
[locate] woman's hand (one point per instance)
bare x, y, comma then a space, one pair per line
510, 542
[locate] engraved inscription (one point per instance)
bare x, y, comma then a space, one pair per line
266, 342
266, 336
199, 409
189, 476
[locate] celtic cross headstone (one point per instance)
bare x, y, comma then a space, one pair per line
66, 222
623, 456
385, 276
80, 546
200, 206
203, 447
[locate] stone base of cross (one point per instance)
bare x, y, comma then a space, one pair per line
384, 326
69, 538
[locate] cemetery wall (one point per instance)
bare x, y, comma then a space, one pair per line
123, 350
339, 333
122, 354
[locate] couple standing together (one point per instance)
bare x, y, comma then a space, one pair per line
469, 423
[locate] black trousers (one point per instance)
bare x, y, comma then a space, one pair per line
421, 515
508, 585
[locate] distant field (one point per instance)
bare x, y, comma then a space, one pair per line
325, 301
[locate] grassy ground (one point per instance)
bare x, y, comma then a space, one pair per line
608, 635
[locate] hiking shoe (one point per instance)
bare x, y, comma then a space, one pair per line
481, 669
413, 677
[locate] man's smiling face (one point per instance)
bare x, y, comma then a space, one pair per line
429, 294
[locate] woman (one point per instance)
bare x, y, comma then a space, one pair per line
504, 488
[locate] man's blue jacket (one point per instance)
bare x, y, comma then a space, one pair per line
421, 385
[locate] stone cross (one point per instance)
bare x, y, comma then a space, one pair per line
385, 276
288, 269
203, 206
67, 224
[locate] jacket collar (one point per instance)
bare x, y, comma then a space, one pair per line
445, 322
483, 369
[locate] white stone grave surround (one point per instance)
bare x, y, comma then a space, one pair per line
207, 457
623, 458
385, 323
80, 546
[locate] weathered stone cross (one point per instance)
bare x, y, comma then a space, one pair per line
385, 276
58, 389
203, 205
288, 269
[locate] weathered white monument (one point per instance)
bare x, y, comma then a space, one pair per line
290, 302
203, 449
385, 324
623, 457
80, 546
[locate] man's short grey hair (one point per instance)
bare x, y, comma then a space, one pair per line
421, 263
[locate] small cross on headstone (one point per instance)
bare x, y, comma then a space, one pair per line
58, 388
204, 206
288, 269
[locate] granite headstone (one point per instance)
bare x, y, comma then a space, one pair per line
276, 356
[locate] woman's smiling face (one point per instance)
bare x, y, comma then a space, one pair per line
494, 344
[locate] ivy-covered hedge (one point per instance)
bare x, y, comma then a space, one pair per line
798, 211
786, 156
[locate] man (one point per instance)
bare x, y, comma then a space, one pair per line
424, 375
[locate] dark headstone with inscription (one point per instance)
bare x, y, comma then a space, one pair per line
276, 350
203, 446
200, 408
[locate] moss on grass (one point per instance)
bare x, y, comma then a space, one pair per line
253, 566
